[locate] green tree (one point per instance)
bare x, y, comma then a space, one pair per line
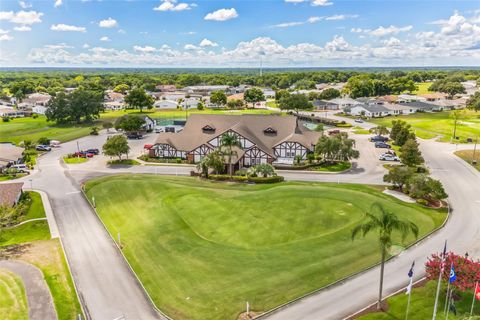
218, 97
295, 102
360, 86
329, 93
281, 94
107, 125
264, 170
116, 146
449, 86
137, 98
380, 130
410, 154
213, 160
398, 176
85, 104
473, 102
385, 223
129, 123
235, 104
227, 143
421, 186
336, 148
253, 95
121, 88
58, 108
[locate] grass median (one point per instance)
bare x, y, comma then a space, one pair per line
204, 248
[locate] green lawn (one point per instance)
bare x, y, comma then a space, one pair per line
13, 300
422, 88
336, 167
123, 162
467, 155
421, 305
360, 130
203, 248
74, 160
6, 177
431, 125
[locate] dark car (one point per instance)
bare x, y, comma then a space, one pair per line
94, 151
379, 139
42, 147
382, 145
83, 154
134, 136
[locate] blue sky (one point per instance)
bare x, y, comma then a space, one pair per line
239, 33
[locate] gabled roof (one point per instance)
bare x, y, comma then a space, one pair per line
9, 193
251, 127
421, 105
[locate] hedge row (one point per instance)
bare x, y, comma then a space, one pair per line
225, 177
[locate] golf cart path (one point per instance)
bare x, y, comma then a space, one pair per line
39, 299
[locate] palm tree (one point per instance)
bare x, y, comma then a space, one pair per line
386, 223
229, 141
380, 130
213, 160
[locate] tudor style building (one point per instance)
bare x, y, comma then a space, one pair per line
263, 139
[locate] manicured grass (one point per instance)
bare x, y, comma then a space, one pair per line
336, 167
6, 177
467, 155
360, 130
203, 248
13, 300
431, 125
124, 162
422, 88
36, 209
421, 305
272, 104
74, 160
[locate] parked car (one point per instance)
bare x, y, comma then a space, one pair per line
134, 135
382, 145
83, 154
359, 120
333, 132
42, 147
389, 157
54, 143
379, 139
94, 151
20, 167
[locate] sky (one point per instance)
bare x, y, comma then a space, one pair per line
241, 33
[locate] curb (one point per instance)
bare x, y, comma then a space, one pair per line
125, 259
341, 281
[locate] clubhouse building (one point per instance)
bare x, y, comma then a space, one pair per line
263, 138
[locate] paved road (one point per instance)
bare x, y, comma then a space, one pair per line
105, 284
39, 299
462, 230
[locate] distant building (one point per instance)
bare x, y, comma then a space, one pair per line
325, 105
9, 154
268, 93
10, 193
11, 112
166, 88
368, 110
204, 90
34, 100
345, 102
165, 104
114, 105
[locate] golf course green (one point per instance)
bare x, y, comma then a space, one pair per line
202, 249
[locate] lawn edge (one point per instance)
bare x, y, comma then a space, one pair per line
125, 259
340, 281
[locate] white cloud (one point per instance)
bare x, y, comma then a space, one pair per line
222, 15
321, 3
2, 31
66, 27
121, 31
24, 5
58, 3
208, 43
105, 38
22, 28
384, 31
189, 33
172, 5
297, 23
21, 17
146, 49
356, 30
190, 47
341, 16
108, 23
392, 42
6, 37
86, 46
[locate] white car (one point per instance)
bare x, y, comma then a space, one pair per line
389, 157
20, 167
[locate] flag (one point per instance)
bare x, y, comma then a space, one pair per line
444, 257
477, 292
410, 275
453, 275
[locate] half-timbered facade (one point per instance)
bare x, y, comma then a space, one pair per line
262, 139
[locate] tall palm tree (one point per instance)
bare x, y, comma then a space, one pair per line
385, 223
228, 141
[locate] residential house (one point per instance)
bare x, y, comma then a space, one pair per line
149, 124
268, 93
11, 112
409, 98
10, 193
399, 109
165, 104
236, 96
112, 96
421, 106
9, 154
114, 105
35, 100
434, 96
263, 139
368, 110
39, 110
325, 105
204, 90
166, 88
345, 102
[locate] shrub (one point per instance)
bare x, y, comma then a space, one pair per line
178, 160
34, 116
5, 119
273, 179
241, 172
44, 140
422, 202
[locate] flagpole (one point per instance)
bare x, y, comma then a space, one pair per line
449, 301
408, 304
439, 283
448, 292
409, 288
474, 298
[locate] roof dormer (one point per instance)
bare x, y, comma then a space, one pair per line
208, 129
270, 130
